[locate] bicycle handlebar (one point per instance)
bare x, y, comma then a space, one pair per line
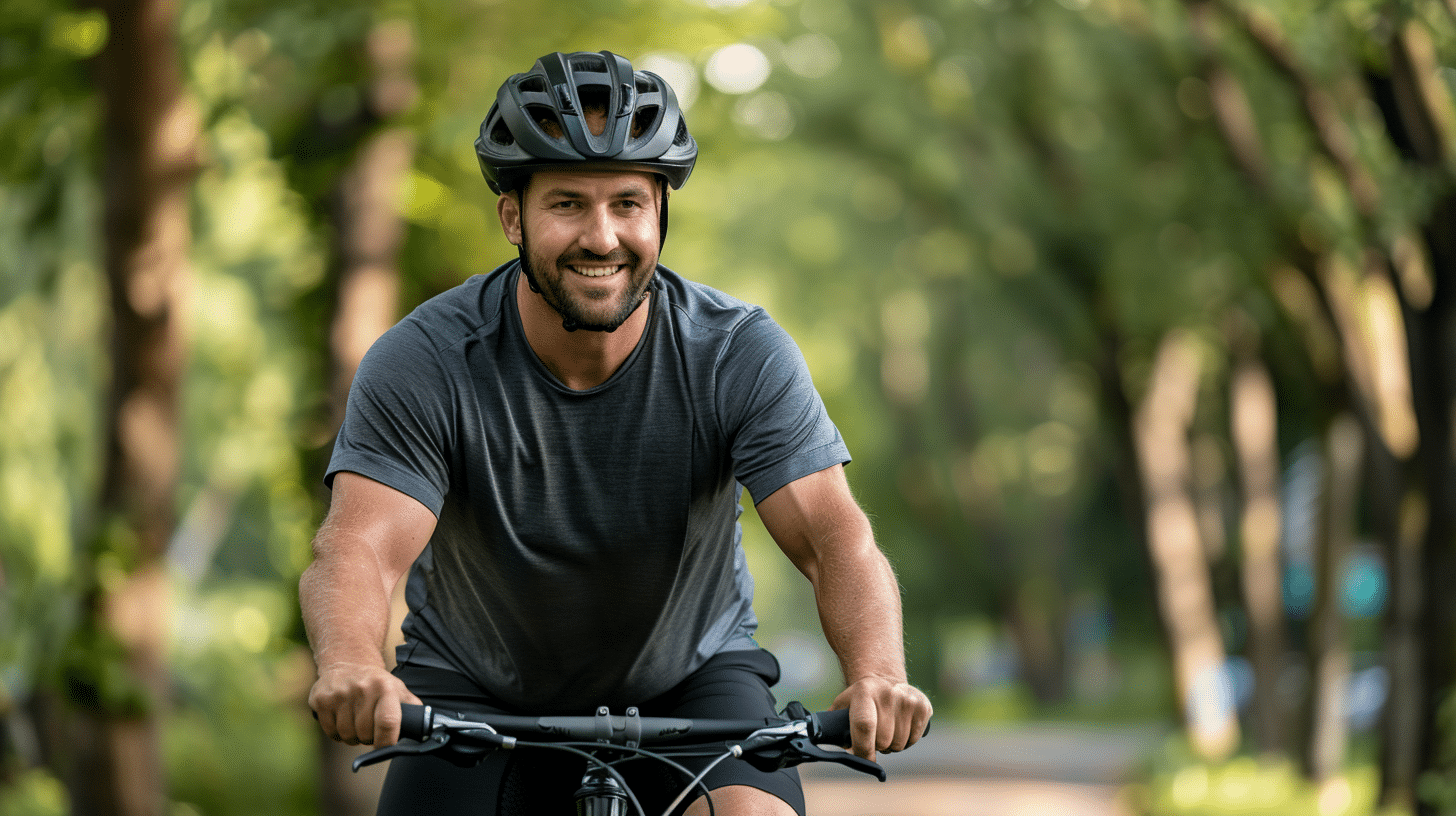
768, 744
824, 727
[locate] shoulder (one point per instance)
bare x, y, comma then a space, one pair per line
428, 343
708, 315
464, 310
702, 306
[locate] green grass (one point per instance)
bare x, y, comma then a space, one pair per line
1180, 785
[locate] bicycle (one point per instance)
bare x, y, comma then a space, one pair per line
606, 740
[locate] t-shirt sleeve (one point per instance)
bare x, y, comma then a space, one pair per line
397, 422
776, 423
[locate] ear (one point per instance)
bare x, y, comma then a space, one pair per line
508, 208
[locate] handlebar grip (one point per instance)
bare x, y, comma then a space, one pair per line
415, 723
831, 728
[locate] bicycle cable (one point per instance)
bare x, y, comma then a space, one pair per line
642, 753
735, 751
603, 764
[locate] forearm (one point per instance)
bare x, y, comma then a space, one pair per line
370, 537
817, 523
858, 599
346, 608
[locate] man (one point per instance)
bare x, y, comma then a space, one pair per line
553, 452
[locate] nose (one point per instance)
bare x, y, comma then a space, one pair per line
599, 233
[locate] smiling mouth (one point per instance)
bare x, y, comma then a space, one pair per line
595, 271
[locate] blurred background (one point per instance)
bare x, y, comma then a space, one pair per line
1137, 316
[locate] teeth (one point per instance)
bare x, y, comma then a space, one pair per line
595, 271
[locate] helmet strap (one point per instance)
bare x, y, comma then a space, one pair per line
662, 216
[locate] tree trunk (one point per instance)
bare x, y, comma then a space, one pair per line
1416, 104
1329, 649
367, 216
1417, 107
149, 130
371, 233
1255, 421
1184, 586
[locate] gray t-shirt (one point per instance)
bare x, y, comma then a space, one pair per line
587, 547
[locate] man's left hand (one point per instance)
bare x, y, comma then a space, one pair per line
884, 715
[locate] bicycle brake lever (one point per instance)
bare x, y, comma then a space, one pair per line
809, 750
401, 748
799, 750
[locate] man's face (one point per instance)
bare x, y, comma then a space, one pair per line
591, 240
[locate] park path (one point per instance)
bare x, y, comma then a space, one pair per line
1021, 770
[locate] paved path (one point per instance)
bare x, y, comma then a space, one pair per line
960, 797
1021, 770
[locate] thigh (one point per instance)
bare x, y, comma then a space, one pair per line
427, 785
740, 800
733, 685
505, 783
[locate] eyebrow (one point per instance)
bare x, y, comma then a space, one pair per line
631, 191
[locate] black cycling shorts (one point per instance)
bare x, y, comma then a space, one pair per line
733, 685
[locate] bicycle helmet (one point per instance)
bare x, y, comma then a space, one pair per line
539, 120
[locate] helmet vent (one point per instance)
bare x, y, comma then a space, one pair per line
645, 121
547, 120
501, 135
584, 107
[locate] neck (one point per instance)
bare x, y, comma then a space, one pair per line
579, 359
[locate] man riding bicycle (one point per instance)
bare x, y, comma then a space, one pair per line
555, 453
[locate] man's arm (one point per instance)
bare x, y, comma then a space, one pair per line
371, 536
821, 528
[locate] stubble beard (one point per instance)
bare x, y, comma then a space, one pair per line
589, 313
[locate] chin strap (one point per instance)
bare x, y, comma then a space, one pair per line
566, 322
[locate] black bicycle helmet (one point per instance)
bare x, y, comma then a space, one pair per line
539, 120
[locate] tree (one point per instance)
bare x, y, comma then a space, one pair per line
1253, 428
1385, 308
1162, 436
118, 677
1118, 171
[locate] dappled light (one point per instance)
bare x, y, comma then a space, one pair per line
1135, 317
737, 69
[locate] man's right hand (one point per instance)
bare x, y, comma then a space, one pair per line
357, 703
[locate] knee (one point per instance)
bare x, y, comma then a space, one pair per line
741, 800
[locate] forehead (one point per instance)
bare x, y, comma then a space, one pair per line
603, 183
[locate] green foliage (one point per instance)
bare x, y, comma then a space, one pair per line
240, 740
46, 205
34, 793
96, 678
51, 299
977, 219
1438, 786
1182, 786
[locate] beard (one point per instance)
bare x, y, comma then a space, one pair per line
592, 312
